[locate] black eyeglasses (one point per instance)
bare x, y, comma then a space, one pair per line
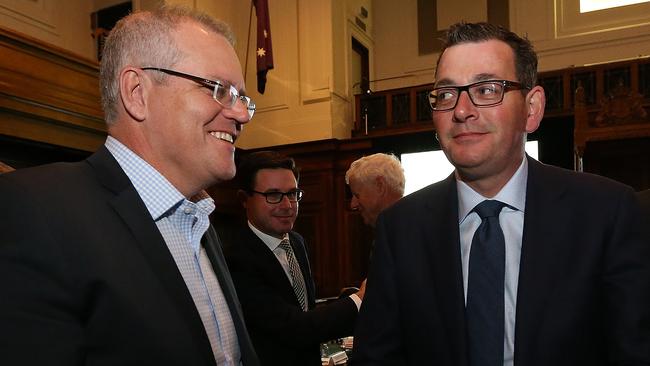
222, 91
482, 94
274, 197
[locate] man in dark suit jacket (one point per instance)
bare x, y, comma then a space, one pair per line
278, 298
105, 261
571, 281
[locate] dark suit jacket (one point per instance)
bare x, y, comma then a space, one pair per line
644, 198
282, 333
87, 279
584, 281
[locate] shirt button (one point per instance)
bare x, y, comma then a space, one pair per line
187, 211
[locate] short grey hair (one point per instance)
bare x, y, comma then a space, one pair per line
145, 38
368, 168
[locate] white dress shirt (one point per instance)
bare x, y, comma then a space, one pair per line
512, 223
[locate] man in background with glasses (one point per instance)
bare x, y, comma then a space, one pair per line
112, 260
508, 261
270, 267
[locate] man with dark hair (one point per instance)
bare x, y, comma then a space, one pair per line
270, 267
112, 260
508, 261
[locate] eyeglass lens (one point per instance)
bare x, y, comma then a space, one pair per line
227, 95
484, 93
276, 197
223, 92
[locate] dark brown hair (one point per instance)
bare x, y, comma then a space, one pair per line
250, 164
525, 56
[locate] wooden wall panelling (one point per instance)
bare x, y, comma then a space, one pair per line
314, 225
624, 160
48, 94
612, 133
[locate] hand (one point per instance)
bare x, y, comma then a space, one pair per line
362, 289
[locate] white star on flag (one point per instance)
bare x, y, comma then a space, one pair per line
261, 52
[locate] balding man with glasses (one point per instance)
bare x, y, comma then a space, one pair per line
112, 260
508, 261
270, 267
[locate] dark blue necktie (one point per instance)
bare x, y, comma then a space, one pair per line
485, 286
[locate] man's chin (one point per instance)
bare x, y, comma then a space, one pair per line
285, 227
225, 174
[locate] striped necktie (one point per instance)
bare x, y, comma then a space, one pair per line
297, 280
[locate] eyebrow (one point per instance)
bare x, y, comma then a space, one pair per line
480, 77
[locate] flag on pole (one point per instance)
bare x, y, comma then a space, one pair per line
264, 52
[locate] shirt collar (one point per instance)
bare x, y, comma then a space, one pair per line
513, 193
271, 241
157, 193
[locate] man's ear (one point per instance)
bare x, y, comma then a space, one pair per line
535, 104
380, 182
242, 196
133, 92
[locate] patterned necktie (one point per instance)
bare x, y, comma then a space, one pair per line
485, 304
297, 280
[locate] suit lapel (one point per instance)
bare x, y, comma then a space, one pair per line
129, 206
213, 247
541, 249
443, 244
267, 261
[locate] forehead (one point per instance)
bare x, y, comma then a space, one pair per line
354, 185
359, 186
275, 179
208, 54
469, 62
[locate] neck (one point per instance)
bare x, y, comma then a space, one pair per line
488, 185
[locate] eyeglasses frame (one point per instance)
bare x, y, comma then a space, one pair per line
212, 84
299, 194
507, 86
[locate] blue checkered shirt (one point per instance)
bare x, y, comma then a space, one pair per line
182, 223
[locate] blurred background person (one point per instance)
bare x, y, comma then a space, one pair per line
376, 182
269, 263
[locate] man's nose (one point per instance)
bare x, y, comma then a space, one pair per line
238, 112
354, 204
285, 201
464, 108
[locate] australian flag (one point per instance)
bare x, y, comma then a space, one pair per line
264, 51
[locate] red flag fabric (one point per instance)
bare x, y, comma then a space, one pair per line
264, 52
